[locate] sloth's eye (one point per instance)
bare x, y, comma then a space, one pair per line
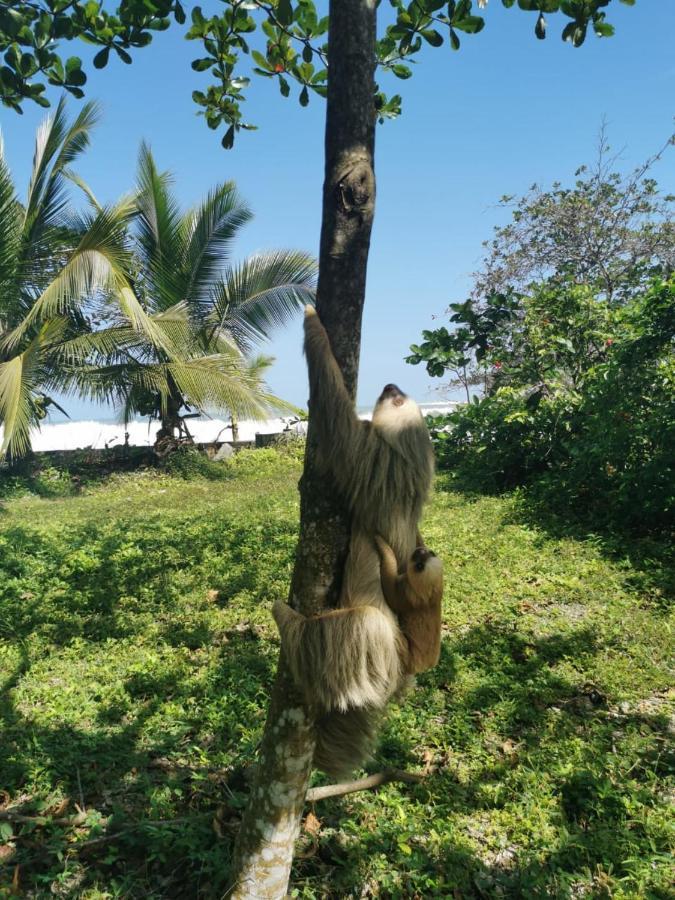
419, 566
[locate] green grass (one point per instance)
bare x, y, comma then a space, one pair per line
137, 651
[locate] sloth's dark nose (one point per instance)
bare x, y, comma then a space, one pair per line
420, 556
391, 389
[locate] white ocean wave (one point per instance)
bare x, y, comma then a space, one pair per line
73, 435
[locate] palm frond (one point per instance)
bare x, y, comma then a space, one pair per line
262, 293
80, 183
158, 229
56, 146
10, 237
20, 377
226, 382
78, 135
101, 261
208, 233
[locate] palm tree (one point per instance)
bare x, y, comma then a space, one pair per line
204, 314
51, 263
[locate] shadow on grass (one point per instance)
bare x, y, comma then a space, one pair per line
111, 760
158, 835
594, 815
114, 581
107, 580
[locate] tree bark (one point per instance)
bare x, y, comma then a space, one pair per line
264, 849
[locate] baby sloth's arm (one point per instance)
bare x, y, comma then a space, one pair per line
393, 584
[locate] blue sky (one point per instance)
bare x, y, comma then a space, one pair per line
505, 111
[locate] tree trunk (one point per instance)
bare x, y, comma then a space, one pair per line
165, 439
264, 849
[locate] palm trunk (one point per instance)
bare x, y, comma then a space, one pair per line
170, 422
264, 850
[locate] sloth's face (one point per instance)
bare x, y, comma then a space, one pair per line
420, 557
395, 410
425, 572
393, 394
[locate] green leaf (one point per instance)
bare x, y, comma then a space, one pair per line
284, 12
197, 17
73, 63
284, 86
401, 71
123, 55
304, 96
431, 36
101, 58
603, 29
454, 39
74, 74
470, 24
261, 60
228, 138
579, 35
540, 27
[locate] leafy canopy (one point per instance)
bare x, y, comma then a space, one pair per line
285, 41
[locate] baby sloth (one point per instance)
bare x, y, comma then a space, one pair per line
415, 597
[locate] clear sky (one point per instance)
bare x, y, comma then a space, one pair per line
505, 111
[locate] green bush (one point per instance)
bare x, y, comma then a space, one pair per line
596, 426
189, 462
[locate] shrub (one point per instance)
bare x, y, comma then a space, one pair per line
598, 424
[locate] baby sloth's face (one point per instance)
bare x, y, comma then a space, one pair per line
425, 571
420, 557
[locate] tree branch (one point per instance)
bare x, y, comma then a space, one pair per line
362, 784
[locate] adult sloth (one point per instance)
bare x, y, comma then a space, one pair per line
349, 661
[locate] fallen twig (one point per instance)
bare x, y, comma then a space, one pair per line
363, 784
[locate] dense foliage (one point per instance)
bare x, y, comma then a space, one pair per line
290, 34
585, 396
137, 650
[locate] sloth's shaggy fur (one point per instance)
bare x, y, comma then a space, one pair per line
350, 661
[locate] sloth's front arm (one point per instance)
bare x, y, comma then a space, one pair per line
339, 431
393, 584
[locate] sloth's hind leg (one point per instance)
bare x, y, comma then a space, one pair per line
342, 659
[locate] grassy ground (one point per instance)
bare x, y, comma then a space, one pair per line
137, 650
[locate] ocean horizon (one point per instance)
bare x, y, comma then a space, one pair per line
102, 432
